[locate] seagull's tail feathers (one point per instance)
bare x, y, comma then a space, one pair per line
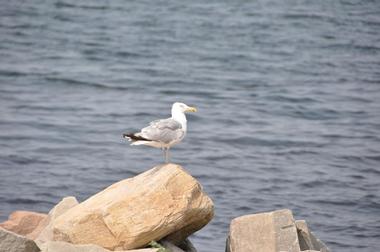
136, 139
140, 143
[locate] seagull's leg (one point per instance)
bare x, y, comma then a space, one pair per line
167, 158
164, 153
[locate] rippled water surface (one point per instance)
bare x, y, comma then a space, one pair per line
288, 95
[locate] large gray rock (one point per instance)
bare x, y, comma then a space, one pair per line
11, 242
264, 232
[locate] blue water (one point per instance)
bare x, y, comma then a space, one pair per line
288, 94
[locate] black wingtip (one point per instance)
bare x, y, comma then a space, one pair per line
133, 137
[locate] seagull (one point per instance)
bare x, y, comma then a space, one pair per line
164, 133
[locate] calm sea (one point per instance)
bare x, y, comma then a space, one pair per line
288, 94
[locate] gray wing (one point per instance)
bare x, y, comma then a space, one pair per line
164, 130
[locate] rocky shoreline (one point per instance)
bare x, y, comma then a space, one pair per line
155, 211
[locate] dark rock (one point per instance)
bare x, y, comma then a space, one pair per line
12, 242
307, 239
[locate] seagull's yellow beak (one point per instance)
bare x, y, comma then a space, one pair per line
191, 109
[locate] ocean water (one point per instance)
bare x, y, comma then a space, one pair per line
288, 94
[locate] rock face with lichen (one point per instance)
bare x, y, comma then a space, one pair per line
162, 202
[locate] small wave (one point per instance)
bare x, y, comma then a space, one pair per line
190, 93
356, 176
84, 83
248, 140
126, 54
337, 202
60, 4
349, 46
46, 194
10, 73
64, 18
303, 16
25, 201
323, 114
372, 170
375, 158
243, 209
293, 100
297, 152
17, 159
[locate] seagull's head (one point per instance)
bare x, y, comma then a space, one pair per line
182, 107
